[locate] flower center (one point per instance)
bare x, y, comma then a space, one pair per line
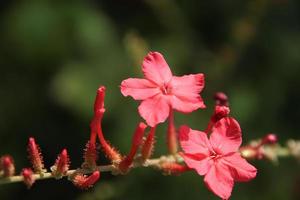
214, 156
166, 89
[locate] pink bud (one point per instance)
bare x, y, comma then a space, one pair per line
7, 165
221, 99
270, 138
35, 156
84, 182
61, 166
28, 177
220, 112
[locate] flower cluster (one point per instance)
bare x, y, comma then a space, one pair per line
218, 157
214, 153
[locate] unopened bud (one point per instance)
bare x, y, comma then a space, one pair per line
221, 99
35, 156
220, 112
90, 156
28, 177
61, 166
85, 182
7, 166
270, 138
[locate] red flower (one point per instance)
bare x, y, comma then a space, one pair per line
161, 91
217, 157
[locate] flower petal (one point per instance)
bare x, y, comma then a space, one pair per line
240, 169
156, 69
139, 89
185, 90
218, 179
200, 162
155, 110
193, 141
226, 136
186, 106
187, 87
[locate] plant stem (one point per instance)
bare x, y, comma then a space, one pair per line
291, 150
171, 135
103, 168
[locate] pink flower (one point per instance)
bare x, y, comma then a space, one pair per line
161, 91
217, 158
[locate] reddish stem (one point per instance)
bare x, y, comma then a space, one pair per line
209, 126
93, 138
136, 142
171, 135
148, 146
172, 168
109, 151
96, 128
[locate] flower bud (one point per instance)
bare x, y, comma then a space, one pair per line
28, 177
270, 138
35, 156
85, 182
7, 166
221, 99
220, 112
61, 166
90, 156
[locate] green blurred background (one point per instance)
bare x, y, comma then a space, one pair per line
54, 55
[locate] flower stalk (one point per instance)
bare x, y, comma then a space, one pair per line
137, 140
148, 146
172, 142
96, 128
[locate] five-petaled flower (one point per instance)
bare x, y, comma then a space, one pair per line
161, 91
217, 157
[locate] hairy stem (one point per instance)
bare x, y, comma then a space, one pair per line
103, 168
272, 152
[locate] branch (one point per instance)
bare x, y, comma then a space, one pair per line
155, 163
271, 152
